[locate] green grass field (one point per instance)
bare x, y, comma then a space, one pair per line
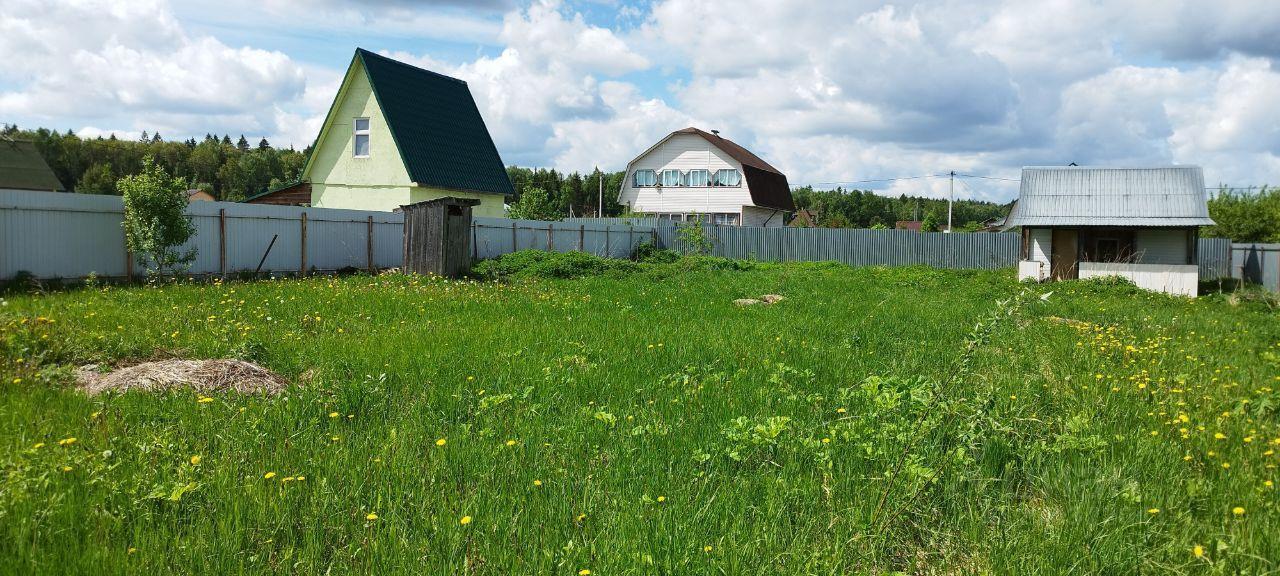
637, 422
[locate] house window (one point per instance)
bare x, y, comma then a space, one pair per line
360, 142
727, 177
697, 178
670, 177
725, 219
644, 178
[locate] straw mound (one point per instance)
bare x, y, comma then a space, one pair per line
198, 375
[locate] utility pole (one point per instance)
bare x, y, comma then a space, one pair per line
951, 196
600, 181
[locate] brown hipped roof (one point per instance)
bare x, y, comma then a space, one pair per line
768, 186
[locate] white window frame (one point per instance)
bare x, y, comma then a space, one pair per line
706, 178
716, 177
667, 172
652, 178
356, 133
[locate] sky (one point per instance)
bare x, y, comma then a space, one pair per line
847, 92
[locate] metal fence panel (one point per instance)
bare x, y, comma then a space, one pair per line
1257, 263
71, 235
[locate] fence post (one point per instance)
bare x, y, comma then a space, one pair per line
222, 241
607, 253
582, 238
475, 241
128, 264
302, 269
631, 241
515, 246
369, 245
550, 244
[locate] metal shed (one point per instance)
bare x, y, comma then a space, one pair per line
1138, 223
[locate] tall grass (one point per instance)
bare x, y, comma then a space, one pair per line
878, 420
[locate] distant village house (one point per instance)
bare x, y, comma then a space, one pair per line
694, 174
397, 134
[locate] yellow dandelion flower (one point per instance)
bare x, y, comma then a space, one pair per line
204, 400
465, 520
269, 475
333, 414
537, 482
302, 478
132, 550
840, 410
1226, 465
662, 499
195, 460
581, 517
584, 572
67, 468
38, 445
371, 516
1219, 436
67, 441
511, 442
1153, 511
1238, 511
440, 442
707, 548
1198, 551
826, 440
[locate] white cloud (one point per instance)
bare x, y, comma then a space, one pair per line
99, 60
839, 91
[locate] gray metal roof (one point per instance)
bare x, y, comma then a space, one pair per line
1097, 196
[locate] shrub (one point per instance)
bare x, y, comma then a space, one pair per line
648, 251
155, 218
541, 264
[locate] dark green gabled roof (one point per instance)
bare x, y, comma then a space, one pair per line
23, 168
437, 127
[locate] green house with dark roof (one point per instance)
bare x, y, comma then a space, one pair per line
395, 135
23, 168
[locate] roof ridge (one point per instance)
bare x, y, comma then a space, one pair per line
363, 52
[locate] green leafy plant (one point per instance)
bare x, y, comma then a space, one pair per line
533, 204
155, 219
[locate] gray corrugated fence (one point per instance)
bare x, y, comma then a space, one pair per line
55, 235
72, 235
1257, 263
494, 237
854, 247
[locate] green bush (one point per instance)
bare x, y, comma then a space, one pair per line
542, 264
648, 251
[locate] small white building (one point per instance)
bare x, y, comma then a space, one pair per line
692, 173
1137, 223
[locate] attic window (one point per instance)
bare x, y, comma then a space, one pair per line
360, 138
698, 178
670, 177
726, 177
644, 178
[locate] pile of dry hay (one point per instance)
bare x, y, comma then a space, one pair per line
198, 375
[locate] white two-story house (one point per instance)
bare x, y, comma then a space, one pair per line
695, 174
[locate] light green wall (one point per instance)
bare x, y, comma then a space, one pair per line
490, 204
379, 182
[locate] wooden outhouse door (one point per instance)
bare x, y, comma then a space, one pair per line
1062, 259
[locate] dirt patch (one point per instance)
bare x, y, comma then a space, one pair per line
198, 375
